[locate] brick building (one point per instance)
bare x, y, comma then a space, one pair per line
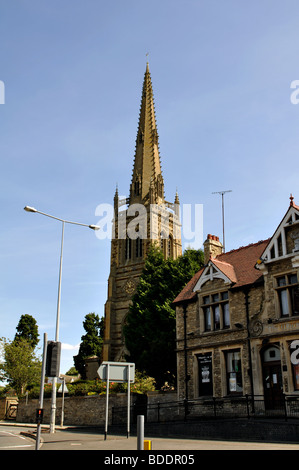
143, 218
238, 317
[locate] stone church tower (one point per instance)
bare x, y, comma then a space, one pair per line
145, 217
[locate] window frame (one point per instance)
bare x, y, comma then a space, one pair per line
285, 295
238, 374
215, 312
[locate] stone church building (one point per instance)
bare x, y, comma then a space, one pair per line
238, 320
143, 218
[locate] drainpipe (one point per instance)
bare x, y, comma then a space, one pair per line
246, 292
186, 360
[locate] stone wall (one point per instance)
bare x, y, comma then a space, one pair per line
78, 411
88, 410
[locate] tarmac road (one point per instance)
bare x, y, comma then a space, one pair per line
80, 439
76, 440
11, 439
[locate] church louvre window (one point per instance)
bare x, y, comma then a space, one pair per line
138, 246
128, 248
216, 311
287, 291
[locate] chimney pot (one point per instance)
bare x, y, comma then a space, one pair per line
212, 249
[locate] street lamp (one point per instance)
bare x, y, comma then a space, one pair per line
93, 227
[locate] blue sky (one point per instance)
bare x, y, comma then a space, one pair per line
73, 73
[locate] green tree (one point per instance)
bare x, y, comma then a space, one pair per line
91, 342
28, 330
150, 325
72, 371
20, 366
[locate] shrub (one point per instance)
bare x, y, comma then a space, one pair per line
142, 384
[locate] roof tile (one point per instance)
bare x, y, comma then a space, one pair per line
238, 265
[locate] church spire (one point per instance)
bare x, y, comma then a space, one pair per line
147, 165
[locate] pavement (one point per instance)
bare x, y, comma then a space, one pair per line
77, 438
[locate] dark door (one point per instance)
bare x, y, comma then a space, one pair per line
272, 385
205, 377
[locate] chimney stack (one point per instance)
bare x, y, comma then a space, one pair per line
212, 247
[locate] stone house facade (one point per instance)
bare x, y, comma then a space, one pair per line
238, 319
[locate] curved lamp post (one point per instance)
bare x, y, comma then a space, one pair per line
93, 227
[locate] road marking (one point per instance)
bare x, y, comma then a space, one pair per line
14, 447
12, 434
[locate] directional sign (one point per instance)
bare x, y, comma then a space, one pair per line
118, 371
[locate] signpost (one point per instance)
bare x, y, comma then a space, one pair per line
62, 389
123, 372
39, 411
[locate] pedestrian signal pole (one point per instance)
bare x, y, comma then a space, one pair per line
39, 411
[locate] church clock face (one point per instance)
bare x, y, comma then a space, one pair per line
130, 286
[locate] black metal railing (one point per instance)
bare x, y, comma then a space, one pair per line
247, 406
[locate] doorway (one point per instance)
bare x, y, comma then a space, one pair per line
272, 378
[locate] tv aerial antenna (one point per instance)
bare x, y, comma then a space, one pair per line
222, 197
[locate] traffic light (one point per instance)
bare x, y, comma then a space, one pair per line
53, 358
39, 415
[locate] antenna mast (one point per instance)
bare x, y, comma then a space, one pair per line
222, 195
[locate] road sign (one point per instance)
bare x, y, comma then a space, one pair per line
118, 371
63, 389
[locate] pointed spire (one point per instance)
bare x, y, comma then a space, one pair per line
177, 204
116, 200
147, 164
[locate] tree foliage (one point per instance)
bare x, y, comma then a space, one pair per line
28, 330
91, 342
150, 325
20, 366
